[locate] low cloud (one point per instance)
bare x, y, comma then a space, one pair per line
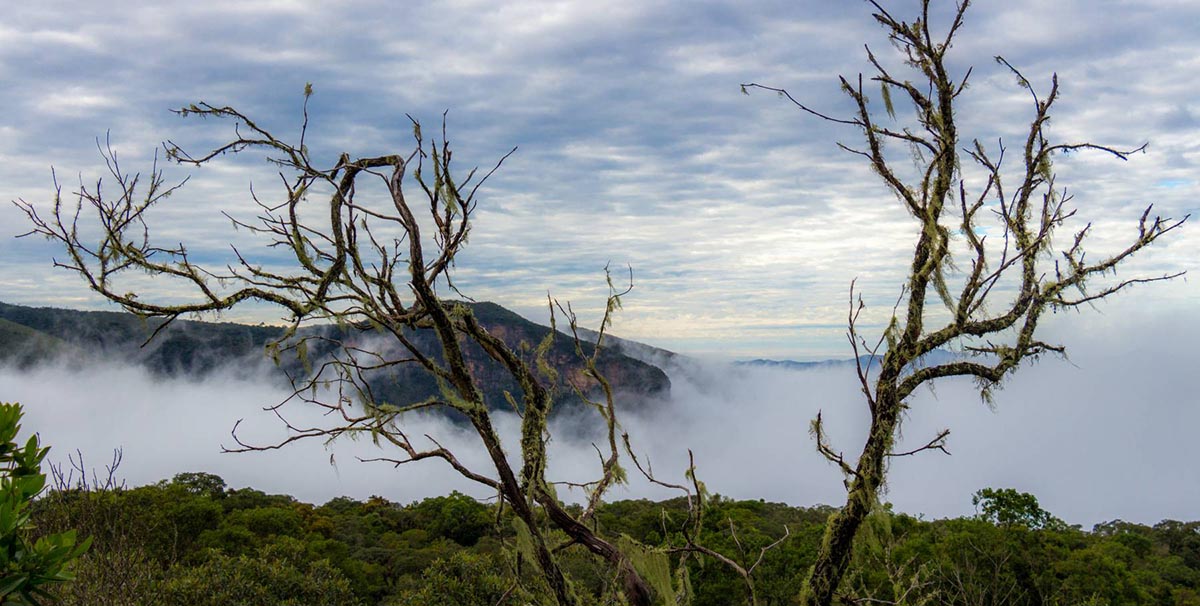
1107, 435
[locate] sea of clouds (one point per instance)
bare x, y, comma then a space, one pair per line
1111, 433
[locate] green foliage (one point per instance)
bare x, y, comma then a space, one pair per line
464, 579
122, 567
201, 484
1008, 507
1100, 574
279, 575
28, 567
457, 517
178, 543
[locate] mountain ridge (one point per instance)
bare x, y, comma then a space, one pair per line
933, 358
196, 348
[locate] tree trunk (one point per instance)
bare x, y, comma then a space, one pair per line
517, 499
836, 548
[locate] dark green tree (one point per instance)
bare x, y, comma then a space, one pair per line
200, 483
1009, 507
982, 296
457, 517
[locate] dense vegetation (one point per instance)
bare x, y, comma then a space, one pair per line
192, 540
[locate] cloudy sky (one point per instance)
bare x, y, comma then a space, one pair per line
743, 222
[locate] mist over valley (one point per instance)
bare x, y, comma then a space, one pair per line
1102, 436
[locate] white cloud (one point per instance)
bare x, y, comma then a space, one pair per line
75, 102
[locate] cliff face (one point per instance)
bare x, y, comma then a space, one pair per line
31, 336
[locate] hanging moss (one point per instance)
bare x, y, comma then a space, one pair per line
654, 566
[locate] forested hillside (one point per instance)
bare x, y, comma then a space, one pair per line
40, 335
194, 541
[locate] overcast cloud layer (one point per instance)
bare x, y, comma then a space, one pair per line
743, 222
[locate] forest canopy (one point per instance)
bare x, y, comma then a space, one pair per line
192, 540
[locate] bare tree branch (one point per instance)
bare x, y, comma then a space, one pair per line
994, 305
359, 265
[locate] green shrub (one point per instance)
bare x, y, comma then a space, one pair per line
27, 567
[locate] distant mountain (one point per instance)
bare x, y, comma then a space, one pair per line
31, 336
186, 348
937, 356
22, 345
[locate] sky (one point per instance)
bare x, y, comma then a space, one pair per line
742, 221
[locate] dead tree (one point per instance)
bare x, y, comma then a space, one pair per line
363, 263
964, 290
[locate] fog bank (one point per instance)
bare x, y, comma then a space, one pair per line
1110, 434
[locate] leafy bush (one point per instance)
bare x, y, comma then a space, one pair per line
27, 567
